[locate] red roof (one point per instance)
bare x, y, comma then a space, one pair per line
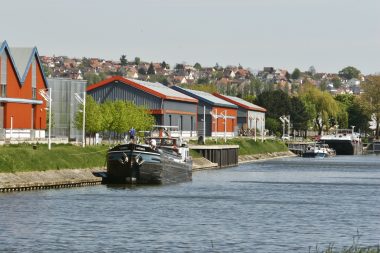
240, 102
145, 88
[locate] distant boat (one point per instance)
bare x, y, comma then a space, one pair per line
344, 142
318, 150
163, 159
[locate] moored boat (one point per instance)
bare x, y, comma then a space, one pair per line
344, 142
163, 159
319, 150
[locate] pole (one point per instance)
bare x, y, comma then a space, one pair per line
204, 124
10, 137
49, 139
255, 128
225, 126
262, 129
84, 121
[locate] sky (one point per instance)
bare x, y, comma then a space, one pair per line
326, 34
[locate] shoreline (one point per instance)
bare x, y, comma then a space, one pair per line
65, 178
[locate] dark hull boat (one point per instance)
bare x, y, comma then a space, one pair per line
344, 141
144, 164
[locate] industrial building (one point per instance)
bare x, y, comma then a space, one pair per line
216, 117
169, 107
22, 108
65, 106
249, 116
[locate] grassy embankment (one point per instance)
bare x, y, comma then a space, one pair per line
22, 157
249, 146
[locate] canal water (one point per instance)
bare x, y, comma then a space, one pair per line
283, 205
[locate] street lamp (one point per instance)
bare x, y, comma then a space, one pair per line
47, 98
82, 101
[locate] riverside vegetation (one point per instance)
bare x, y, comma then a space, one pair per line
23, 157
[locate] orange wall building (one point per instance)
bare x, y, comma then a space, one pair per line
22, 109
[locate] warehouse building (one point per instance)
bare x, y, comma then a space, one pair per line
169, 107
65, 106
249, 116
22, 109
216, 117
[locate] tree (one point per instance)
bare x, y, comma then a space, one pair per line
336, 82
312, 70
165, 65
197, 66
370, 98
179, 66
349, 73
123, 60
276, 102
296, 74
151, 70
257, 86
323, 104
137, 60
142, 71
92, 78
94, 119
299, 114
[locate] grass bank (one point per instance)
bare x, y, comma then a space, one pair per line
249, 146
22, 157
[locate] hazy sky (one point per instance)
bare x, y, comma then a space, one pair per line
328, 34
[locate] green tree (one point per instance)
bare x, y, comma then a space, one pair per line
370, 98
312, 71
299, 115
337, 82
123, 60
276, 102
137, 60
273, 125
324, 105
92, 78
349, 73
151, 70
165, 65
197, 66
93, 120
296, 74
257, 86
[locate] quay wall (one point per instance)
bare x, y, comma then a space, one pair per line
65, 178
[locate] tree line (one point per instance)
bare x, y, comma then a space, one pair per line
114, 118
313, 108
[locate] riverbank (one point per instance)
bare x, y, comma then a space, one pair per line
65, 178
39, 168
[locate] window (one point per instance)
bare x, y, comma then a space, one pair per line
3, 90
34, 93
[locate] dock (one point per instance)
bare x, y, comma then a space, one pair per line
223, 155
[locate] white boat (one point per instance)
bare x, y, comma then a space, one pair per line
344, 142
319, 150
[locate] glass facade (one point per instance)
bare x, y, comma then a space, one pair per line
65, 106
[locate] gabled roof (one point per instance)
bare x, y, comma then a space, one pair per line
205, 97
241, 102
155, 89
22, 59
